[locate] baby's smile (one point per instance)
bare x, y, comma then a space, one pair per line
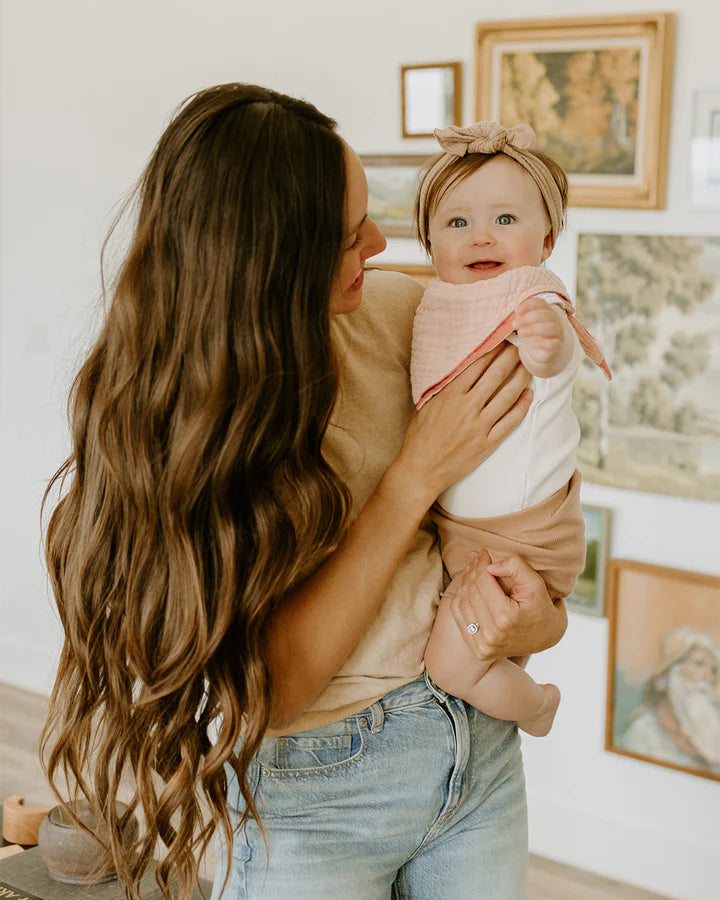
480, 269
484, 264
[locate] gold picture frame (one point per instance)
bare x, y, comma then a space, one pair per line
431, 97
597, 91
663, 695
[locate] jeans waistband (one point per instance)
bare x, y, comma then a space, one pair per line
415, 693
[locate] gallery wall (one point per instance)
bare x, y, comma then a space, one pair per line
87, 87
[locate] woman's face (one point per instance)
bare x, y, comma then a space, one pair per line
362, 240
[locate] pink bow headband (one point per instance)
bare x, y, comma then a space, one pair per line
491, 138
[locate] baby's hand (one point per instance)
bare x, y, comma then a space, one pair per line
544, 337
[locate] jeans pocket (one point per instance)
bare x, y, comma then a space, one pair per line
317, 752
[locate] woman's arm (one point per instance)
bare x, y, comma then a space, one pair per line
319, 624
509, 603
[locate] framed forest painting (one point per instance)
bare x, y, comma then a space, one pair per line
595, 89
653, 304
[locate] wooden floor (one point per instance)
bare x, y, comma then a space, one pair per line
21, 717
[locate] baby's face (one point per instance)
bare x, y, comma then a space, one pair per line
492, 221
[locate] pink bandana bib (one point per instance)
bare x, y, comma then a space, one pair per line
456, 324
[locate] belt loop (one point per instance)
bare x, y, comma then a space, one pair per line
376, 719
434, 689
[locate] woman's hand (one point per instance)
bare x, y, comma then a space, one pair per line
510, 605
462, 425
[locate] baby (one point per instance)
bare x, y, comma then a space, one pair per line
489, 211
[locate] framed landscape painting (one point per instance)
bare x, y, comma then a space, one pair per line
393, 182
652, 302
663, 699
589, 594
596, 90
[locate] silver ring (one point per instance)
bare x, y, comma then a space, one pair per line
473, 628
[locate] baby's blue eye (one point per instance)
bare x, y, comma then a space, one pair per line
458, 222
505, 219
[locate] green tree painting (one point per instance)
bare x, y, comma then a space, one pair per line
653, 304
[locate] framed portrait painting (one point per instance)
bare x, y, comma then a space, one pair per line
589, 594
652, 302
663, 700
596, 90
393, 182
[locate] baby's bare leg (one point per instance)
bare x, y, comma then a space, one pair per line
498, 688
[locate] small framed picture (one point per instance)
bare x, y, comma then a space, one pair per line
705, 151
431, 97
663, 703
589, 594
393, 183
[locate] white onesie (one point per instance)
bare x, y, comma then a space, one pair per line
456, 324
533, 461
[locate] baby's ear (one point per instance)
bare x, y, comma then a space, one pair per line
547, 246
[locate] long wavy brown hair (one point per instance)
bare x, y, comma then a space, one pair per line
196, 493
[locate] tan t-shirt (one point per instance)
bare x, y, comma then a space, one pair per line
367, 429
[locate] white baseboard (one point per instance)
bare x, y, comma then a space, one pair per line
628, 851
27, 666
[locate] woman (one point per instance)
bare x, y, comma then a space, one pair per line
244, 540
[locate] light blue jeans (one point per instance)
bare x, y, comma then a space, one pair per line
418, 796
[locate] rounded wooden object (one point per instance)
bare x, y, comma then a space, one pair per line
20, 823
72, 855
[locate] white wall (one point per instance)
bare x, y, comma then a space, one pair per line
87, 87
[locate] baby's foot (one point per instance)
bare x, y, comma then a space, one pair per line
541, 724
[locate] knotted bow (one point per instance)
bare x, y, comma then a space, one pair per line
484, 137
